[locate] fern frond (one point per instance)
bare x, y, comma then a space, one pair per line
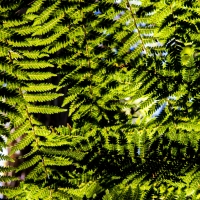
57, 161
41, 97
39, 87
34, 65
46, 14
19, 132
49, 25
29, 163
35, 6
34, 54
40, 76
27, 139
45, 109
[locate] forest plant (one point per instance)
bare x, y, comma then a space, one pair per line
65, 50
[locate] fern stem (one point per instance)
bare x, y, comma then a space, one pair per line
136, 26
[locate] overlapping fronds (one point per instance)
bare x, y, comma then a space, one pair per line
25, 80
111, 64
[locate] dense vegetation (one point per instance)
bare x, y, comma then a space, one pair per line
101, 68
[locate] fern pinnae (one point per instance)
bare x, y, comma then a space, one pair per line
45, 109
20, 131
41, 76
35, 6
42, 87
34, 65
48, 26
23, 143
23, 32
46, 14
41, 97
34, 54
29, 163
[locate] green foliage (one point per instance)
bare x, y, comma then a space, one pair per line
111, 71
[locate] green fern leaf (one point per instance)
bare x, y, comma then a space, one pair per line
46, 14
41, 97
49, 25
45, 109
39, 87
29, 163
23, 143
20, 131
35, 6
